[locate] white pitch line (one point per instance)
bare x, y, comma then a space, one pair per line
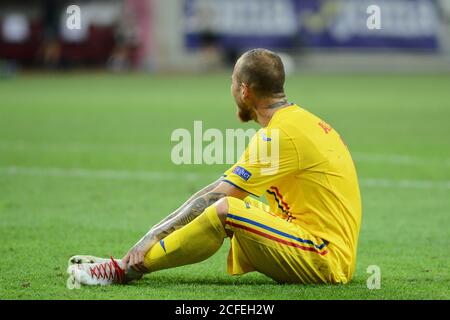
405, 183
190, 176
97, 173
399, 159
74, 147
82, 147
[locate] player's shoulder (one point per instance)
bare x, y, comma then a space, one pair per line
298, 121
288, 121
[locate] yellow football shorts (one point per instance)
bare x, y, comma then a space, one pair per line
282, 250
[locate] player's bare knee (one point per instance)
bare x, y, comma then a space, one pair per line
222, 209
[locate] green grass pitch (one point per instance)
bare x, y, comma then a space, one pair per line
85, 169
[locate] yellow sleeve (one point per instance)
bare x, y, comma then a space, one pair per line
270, 156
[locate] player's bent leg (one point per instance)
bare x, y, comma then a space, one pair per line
268, 244
195, 242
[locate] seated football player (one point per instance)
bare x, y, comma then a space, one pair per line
308, 232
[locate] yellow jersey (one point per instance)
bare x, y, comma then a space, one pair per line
307, 174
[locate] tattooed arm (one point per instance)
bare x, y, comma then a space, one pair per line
180, 217
188, 202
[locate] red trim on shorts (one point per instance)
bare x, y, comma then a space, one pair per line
268, 236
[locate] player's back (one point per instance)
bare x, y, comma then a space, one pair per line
323, 194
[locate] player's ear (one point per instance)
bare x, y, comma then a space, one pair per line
244, 90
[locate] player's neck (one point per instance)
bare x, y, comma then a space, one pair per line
265, 109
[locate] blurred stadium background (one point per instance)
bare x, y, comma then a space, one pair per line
199, 35
86, 118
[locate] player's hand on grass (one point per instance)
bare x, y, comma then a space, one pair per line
135, 257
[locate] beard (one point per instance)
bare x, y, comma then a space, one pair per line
245, 113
